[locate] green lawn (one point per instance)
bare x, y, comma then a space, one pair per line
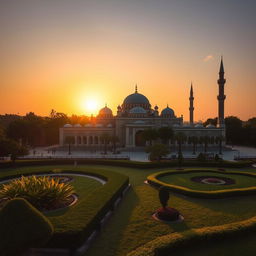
184, 180
132, 225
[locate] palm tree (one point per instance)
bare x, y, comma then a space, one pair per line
205, 140
165, 134
219, 140
105, 138
150, 135
69, 140
114, 139
194, 140
180, 137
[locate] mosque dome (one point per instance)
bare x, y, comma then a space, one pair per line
136, 98
199, 125
137, 110
105, 111
210, 126
167, 112
77, 125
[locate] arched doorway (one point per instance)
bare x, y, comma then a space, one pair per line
139, 140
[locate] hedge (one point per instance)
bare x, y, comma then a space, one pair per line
128, 163
78, 222
153, 180
165, 245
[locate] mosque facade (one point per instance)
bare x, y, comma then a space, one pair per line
136, 115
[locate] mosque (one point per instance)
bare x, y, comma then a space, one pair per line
136, 114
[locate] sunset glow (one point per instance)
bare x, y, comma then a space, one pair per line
108, 47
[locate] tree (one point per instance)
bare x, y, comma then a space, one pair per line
150, 135
163, 196
233, 130
219, 140
212, 121
157, 151
114, 140
194, 140
69, 140
13, 148
205, 139
180, 137
105, 139
165, 134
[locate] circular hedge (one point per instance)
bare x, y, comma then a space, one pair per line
181, 181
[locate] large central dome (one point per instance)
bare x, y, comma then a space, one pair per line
136, 98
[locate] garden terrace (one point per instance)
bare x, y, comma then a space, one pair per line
183, 182
74, 224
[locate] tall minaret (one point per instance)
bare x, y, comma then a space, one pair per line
221, 97
191, 106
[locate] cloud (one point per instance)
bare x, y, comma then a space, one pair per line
208, 58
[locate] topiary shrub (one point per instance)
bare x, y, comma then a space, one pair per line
42, 192
164, 196
21, 227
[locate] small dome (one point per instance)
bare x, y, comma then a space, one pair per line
105, 111
67, 125
109, 125
99, 125
77, 125
210, 126
199, 125
186, 125
167, 112
88, 125
137, 110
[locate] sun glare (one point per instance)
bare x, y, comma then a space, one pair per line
91, 106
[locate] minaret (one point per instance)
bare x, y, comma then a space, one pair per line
191, 106
221, 97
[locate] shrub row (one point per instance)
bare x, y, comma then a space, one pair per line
153, 180
75, 225
128, 163
165, 245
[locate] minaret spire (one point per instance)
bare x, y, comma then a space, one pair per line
191, 105
221, 97
136, 88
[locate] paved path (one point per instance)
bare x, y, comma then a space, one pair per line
44, 152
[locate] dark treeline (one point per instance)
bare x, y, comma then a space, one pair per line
238, 132
34, 130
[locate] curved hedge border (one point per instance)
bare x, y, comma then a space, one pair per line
153, 180
127, 163
89, 211
165, 245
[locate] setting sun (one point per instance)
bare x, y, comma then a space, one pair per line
91, 106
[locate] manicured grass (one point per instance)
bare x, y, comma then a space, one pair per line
132, 226
184, 180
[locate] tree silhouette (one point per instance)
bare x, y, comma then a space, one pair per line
165, 134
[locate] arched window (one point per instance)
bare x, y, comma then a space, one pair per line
96, 140
84, 140
79, 140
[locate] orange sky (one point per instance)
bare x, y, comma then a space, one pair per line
57, 59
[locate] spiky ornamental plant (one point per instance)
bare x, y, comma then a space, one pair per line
42, 192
